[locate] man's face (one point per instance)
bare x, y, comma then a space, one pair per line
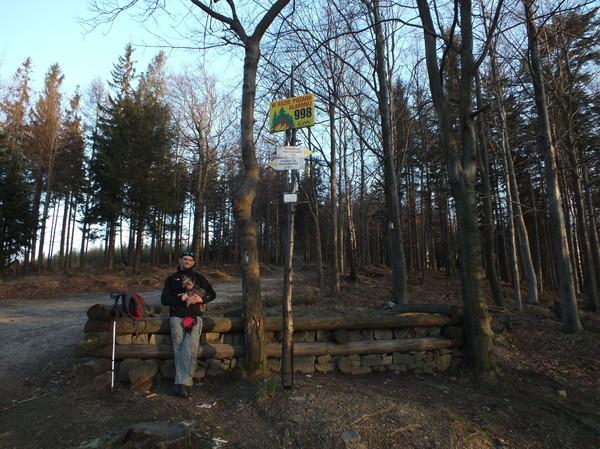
187, 262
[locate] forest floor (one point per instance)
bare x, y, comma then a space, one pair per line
547, 392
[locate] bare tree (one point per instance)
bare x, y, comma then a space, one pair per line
256, 358
462, 168
570, 314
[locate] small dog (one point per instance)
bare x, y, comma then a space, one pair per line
191, 289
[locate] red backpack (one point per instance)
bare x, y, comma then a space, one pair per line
131, 305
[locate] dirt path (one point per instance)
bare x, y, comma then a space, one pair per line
40, 336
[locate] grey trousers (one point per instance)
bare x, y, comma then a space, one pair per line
185, 350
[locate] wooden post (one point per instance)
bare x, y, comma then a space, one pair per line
287, 343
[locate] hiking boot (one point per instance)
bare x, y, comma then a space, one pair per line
181, 391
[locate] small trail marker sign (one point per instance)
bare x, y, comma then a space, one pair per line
292, 113
288, 163
289, 158
293, 152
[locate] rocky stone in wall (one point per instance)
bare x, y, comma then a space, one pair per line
400, 358
324, 358
140, 339
402, 333
211, 337
323, 336
367, 334
167, 369
123, 369
434, 331
371, 360
200, 373
324, 367
274, 365
420, 332
345, 365
304, 365
123, 339
141, 374
354, 335
383, 334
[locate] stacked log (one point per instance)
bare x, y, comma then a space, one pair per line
357, 342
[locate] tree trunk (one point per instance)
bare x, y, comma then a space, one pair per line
139, 241
517, 221
594, 245
334, 276
512, 244
462, 168
198, 221
488, 227
37, 198
63, 233
589, 268
43, 228
256, 360
538, 253
570, 314
72, 221
53, 225
400, 294
352, 246
110, 250
313, 205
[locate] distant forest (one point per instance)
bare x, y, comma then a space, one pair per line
457, 137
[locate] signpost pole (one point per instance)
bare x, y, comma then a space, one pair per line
287, 343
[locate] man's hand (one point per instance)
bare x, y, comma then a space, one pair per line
194, 299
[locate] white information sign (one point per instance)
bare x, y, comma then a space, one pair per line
287, 163
296, 152
290, 197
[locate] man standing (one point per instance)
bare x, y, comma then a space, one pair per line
186, 292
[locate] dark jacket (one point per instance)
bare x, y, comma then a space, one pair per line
174, 287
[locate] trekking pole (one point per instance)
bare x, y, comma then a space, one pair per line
112, 366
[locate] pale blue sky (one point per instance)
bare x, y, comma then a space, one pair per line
50, 32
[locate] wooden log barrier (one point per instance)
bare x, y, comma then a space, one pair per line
379, 320
214, 351
225, 351
363, 347
102, 312
161, 325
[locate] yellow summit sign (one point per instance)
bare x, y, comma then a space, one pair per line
291, 113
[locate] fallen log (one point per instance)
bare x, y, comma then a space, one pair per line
214, 351
363, 347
